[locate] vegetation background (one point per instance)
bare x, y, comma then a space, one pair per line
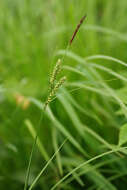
90, 109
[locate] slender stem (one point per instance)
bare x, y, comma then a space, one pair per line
46, 165
29, 164
32, 151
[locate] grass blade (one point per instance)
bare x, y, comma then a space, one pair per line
44, 168
85, 163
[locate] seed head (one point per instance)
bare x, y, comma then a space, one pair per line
59, 83
54, 90
56, 71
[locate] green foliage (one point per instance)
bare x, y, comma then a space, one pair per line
89, 110
123, 135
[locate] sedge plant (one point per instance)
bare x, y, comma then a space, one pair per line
54, 85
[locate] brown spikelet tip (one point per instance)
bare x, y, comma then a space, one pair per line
77, 28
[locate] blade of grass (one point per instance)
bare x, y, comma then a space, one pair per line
85, 163
105, 57
82, 86
58, 158
77, 123
76, 177
90, 168
83, 109
111, 92
46, 165
31, 154
59, 126
39, 144
108, 71
105, 30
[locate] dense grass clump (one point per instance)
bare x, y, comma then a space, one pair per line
82, 135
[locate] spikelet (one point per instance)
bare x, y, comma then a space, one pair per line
54, 90
55, 72
59, 83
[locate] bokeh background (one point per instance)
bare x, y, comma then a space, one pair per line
90, 109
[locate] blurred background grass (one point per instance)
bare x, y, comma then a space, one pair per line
89, 110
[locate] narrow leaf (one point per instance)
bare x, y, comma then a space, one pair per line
123, 135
